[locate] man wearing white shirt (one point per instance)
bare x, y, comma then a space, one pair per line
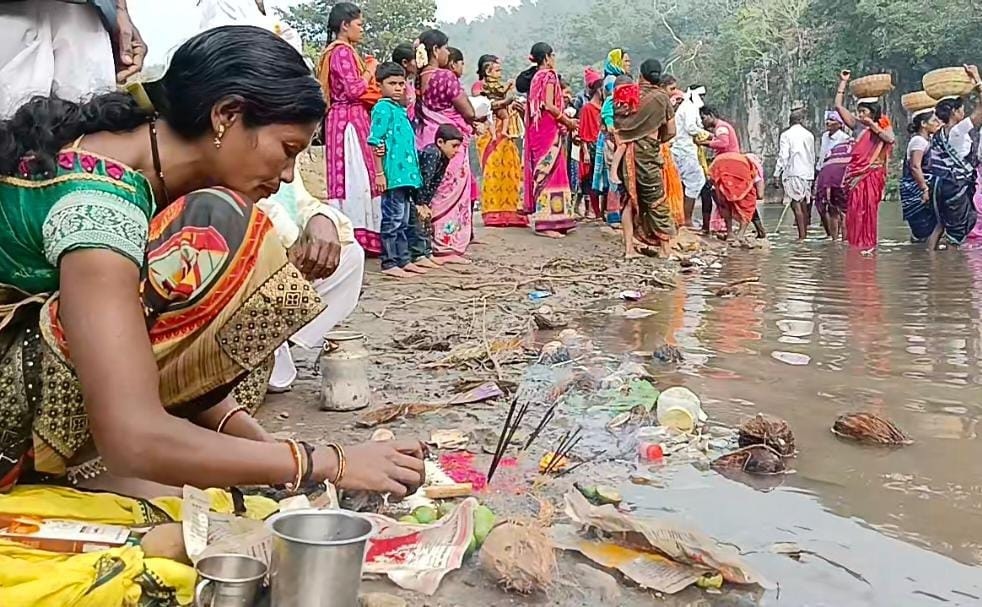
684, 151
834, 134
292, 211
796, 168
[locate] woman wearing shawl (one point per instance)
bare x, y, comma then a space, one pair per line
644, 122
618, 63
673, 179
830, 195
866, 175
915, 192
548, 199
952, 169
501, 162
605, 152
345, 78
442, 100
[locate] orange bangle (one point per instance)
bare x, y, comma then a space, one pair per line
228, 417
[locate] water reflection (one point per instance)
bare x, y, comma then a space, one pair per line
828, 330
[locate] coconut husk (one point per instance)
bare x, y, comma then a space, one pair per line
770, 431
519, 557
756, 459
869, 428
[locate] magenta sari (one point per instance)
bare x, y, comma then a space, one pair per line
350, 166
451, 207
548, 199
865, 182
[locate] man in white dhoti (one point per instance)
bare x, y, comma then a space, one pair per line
684, 150
72, 49
796, 169
291, 209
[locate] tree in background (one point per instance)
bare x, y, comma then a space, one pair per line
387, 23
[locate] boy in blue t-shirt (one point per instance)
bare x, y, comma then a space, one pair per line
396, 168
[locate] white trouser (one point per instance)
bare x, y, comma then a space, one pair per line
52, 48
340, 293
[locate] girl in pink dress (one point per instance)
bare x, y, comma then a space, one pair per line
347, 79
442, 100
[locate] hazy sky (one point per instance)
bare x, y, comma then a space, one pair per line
164, 25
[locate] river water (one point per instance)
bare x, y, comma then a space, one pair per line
829, 331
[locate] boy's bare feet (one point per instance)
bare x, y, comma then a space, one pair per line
456, 260
415, 269
427, 263
397, 273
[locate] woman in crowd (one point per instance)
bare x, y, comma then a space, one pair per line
738, 180
442, 100
405, 55
915, 192
643, 130
618, 63
866, 175
345, 78
589, 132
673, 179
830, 194
548, 199
501, 162
952, 167
605, 151
106, 200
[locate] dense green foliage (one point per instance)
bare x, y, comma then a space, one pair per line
756, 57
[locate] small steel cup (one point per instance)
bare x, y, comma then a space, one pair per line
228, 580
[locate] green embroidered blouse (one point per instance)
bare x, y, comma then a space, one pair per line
90, 203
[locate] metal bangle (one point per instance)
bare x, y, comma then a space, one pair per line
341, 463
228, 417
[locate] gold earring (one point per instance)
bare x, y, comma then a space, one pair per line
218, 137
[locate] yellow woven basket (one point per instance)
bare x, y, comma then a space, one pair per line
876, 85
947, 82
917, 101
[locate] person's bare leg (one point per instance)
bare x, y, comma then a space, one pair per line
800, 219
935, 238
426, 262
759, 226
627, 223
455, 260
689, 205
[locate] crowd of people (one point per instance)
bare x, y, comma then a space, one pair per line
146, 300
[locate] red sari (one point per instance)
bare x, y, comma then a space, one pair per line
735, 177
865, 181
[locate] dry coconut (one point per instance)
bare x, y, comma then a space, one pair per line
869, 428
770, 431
519, 557
756, 459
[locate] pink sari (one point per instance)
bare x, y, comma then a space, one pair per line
452, 209
976, 234
548, 199
865, 181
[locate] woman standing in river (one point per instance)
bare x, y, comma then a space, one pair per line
953, 166
350, 171
866, 175
915, 192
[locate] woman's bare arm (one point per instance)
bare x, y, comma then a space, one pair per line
840, 105
916, 159
107, 336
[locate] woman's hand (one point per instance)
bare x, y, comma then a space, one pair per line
318, 251
394, 467
926, 196
845, 75
423, 212
380, 182
973, 73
